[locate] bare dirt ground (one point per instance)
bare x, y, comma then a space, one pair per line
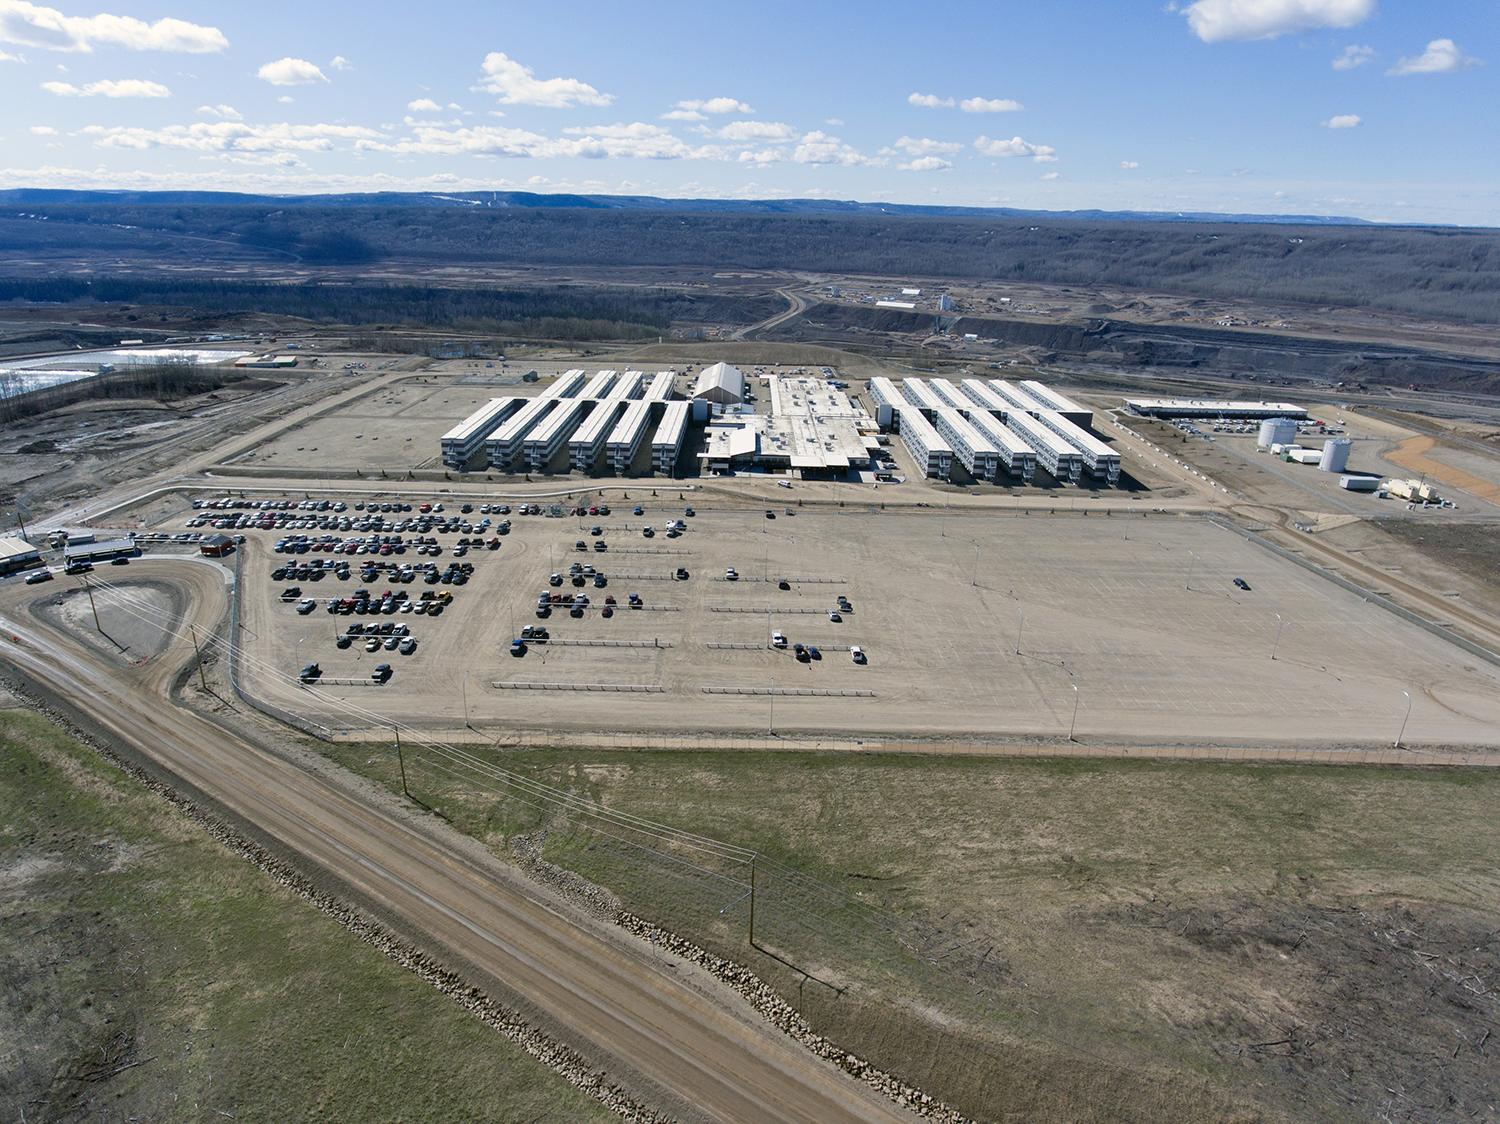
1138, 614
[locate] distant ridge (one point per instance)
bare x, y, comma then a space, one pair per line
533, 200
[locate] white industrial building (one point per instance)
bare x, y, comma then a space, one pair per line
661, 387
813, 428
1076, 413
666, 442
933, 455
1212, 408
721, 384
1097, 457
625, 439
504, 445
1057, 456
17, 554
974, 448
566, 385
588, 439
629, 385
1016, 456
547, 437
466, 438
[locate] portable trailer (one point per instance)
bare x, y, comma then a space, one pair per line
565, 385
1054, 454
971, 445
466, 438
1098, 458
598, 386
504, 445
666, 443
1016, 456
661, 388
933, 455
547, 437
589, 438
1079, 415
625, 438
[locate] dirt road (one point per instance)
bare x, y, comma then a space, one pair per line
697, 1054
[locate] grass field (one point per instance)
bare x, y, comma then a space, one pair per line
148, 974
1168, 941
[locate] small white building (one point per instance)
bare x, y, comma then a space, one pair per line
720, 383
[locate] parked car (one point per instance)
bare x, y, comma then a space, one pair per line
833, 615
857, 654
407, 646
382, 673
1242, 583
778, 640
731, 575
39, 577
306, 605
310, 673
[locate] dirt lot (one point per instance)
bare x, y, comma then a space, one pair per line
1134, 619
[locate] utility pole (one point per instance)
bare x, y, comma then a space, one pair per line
1407, 715
1074, 724
1020, 629
464, 683
202, 682
1189, 583
752, 899
1277, 642
401, 762
95, 608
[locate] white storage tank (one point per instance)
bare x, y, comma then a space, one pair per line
1335, 455
1276, 431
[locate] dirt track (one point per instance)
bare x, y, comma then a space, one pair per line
695, 1053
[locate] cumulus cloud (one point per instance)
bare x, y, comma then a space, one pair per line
423, 105
222, 112
697, 109
926, 146
32, 25
1051, 175
819, 147
1130, 165
109, 88
1041, 153
515, 84
43, 131
6, 56
339, 62
636, 139
757, 131
1217, 21
1442, 56
1352, 56
290, 72
989, 105
1343, 121
229, 136
929, 101
926, 164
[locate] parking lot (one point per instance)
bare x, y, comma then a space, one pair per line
1135, 622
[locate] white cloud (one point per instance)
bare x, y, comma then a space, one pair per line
109, 88
229, 136
760, 157
693, 109
290, 72
1051, 175
989, 105
1352, 56
1217, 21
834, 121
1343, 121
926, 146
43, 131
339, 62
424, 105
1441, 57
32, 25
633, 140
757, 131
514, 84
1041, 153
929, 101
286, 99
820, 148
1130, 165
222, 112
926, 164
6, 56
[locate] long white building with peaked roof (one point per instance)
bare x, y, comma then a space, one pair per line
720, 384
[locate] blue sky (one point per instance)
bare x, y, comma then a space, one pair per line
1383, 109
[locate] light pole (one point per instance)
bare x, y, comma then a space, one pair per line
975, 581
1074, 724
1277, 642
1404, 717
1020, 629
1189, 583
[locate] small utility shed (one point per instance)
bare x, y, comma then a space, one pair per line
720, 383
17, 554
216, 546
